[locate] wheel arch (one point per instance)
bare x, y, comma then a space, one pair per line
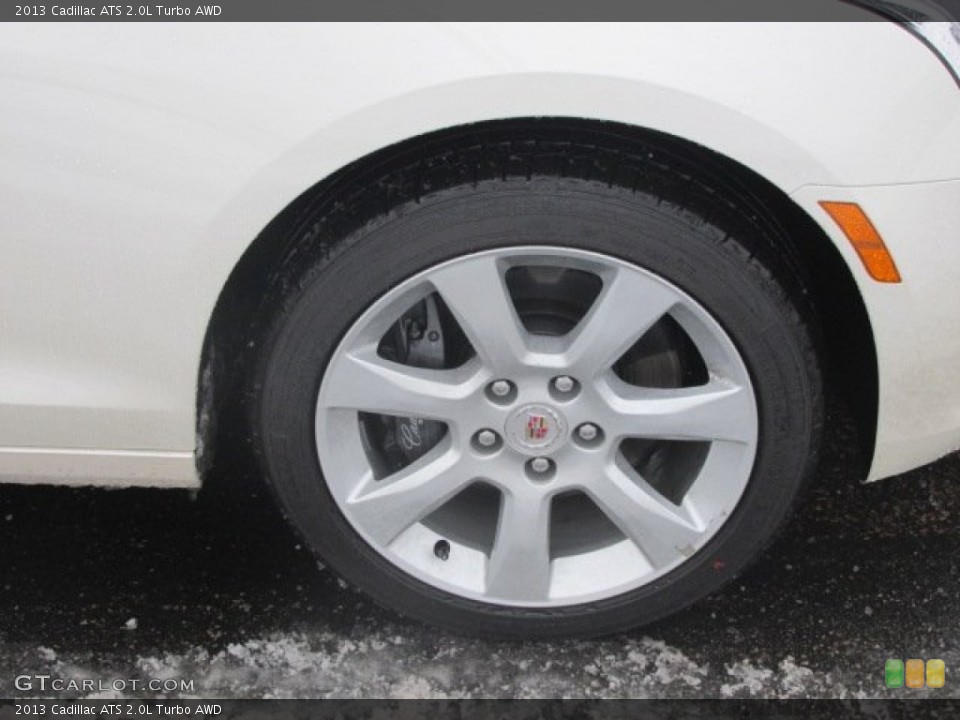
822, 279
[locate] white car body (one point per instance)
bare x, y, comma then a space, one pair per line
140, 161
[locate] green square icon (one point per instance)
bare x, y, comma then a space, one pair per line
893, 673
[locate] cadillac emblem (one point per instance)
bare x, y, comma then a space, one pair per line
535, 429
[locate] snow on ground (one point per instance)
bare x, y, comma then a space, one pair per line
387, 662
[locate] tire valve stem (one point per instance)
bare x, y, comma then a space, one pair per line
442, 549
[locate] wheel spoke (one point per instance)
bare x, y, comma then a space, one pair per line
519, 567
477, 295
629, 305
364, 381
662, 531
719, 410
387, 507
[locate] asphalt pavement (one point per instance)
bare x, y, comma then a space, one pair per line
215, 590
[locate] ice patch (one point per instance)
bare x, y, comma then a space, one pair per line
750, 679
797, 680
673, 666
413, 688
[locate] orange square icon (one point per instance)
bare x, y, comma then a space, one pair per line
936, 673
914, 673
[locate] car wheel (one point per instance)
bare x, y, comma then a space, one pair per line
537, 406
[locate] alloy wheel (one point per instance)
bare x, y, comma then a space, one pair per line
536, 426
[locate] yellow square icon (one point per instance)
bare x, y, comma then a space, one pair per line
936, 673
914, 673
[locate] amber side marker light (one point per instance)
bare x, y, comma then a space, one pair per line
865, 240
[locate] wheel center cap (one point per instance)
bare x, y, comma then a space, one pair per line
535, 429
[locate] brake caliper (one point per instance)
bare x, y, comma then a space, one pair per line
418, 341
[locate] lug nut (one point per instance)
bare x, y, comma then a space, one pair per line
564, 383
487, 438
588, 432
540, 465
500, 388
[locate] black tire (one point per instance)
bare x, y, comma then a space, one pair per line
667, 237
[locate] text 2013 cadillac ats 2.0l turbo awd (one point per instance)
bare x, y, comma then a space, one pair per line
530, 327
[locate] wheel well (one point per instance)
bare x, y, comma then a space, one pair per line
795, 248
